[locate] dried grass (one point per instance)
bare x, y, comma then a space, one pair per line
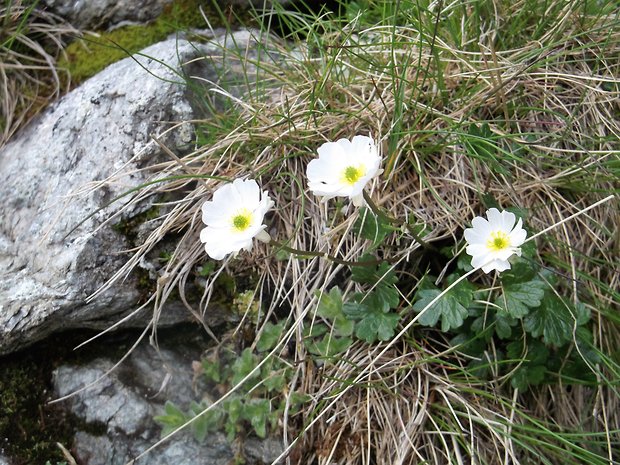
31, 41
552, 109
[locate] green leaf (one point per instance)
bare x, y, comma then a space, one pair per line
533, 363
442, 307
233, 411
536, 353
521, 271
528, 375
243, 366
330, 308
518, 298
552, 320
206, 269
372, 227
469, 344
375, 300
369, 274
234, 408
464, 262
207, 422
270, 336
297, 400
329, 346
503, 326
582, 314
275, 381
211, 370
487, 365
200, 428
330, 305
479, 143
384, 297
257, 411
172, 418
451, 308
343, 326
482, 327
375, 324
316, 330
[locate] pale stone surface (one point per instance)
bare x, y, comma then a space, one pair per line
54, 251
123, 404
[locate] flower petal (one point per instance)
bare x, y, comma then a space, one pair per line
320, 170
477, 249
518, 235
325, 174
496, 220
358, 200
248, 191
481, 260
508, 220
491, 242
239, 197
481, 226
499, 265
474, 236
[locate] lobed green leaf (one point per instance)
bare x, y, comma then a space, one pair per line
517, 298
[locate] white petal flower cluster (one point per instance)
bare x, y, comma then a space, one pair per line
343, 168
492, 242
234, 217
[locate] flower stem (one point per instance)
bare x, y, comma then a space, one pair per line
308, 253
378, 212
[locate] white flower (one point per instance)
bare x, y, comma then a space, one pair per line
234, 217
344, 168
491, 242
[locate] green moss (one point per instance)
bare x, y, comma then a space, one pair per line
86, 58
129, 227
31, 427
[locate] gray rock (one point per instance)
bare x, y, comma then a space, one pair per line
122, 405
101, 14
108, 14
255, 3
55, 249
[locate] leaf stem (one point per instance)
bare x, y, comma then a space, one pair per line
378, 212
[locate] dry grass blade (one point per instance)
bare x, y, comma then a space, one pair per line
462, 121
31, 42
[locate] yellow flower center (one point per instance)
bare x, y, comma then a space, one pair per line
498, 241
352, 174
241, 221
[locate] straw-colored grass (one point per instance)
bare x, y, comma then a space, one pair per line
31, 41
470, 102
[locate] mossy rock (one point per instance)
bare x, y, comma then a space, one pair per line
30, 427
87, 57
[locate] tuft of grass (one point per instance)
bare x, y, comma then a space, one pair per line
475, 105
31, 43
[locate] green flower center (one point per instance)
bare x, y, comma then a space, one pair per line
498, 241
352, 174
241, 221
